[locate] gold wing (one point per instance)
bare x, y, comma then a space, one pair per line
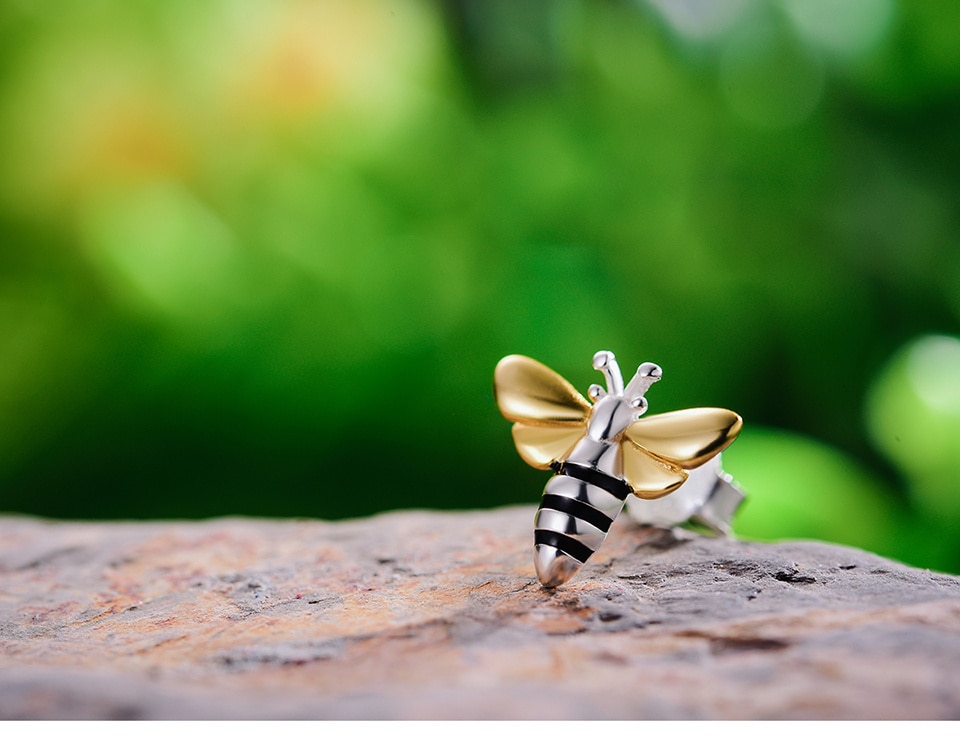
649, 476
663, 446
550, 415
541, 445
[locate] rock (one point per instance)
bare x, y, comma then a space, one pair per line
437, 615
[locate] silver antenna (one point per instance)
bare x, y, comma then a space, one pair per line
605, 362
647, 375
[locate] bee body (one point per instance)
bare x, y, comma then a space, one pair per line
582, 500
600, 453
578, 506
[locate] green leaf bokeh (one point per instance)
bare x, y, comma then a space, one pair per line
261, 258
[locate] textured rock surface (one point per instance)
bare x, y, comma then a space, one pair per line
437, 615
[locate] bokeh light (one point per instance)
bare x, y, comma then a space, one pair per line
261, 258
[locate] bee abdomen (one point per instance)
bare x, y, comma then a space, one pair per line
577, 508
616, 487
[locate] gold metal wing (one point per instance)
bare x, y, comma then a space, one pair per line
550, 415
649, 476
542, 445
658, 449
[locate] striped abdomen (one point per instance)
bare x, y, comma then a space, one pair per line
578, 506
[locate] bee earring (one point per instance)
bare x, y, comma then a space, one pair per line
608, 451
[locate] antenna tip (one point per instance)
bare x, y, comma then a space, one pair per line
649, 370
602, 359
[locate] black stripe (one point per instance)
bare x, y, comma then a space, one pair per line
577, 509
577, 550
614, 486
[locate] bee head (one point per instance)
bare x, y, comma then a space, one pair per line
616, 407
647, 374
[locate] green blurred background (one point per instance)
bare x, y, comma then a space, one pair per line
262, 257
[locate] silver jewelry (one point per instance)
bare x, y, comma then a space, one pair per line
708, 498
604, 452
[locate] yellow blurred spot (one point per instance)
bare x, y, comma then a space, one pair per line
89, 119
118, 104
295, 63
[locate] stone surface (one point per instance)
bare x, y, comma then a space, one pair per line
437, 615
